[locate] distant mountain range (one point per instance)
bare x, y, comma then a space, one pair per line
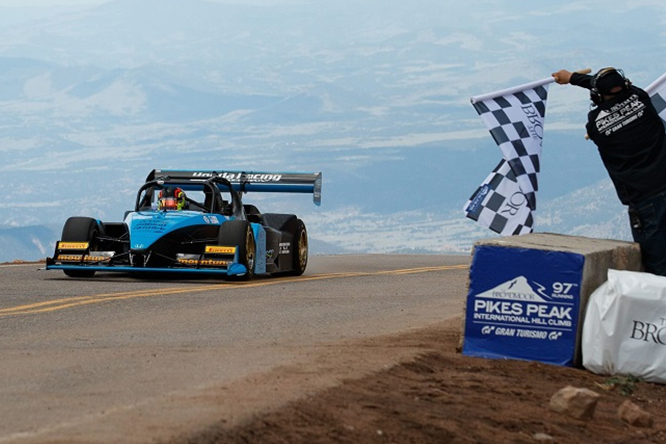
374, 94
30, 243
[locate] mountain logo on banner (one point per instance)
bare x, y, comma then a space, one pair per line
516, 289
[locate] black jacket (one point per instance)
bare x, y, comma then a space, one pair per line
631, 140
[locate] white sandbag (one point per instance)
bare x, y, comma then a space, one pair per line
624, 330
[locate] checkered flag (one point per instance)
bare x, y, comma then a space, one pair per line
499, 204
657, 92
515, 118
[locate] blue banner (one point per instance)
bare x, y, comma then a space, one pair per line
523, 304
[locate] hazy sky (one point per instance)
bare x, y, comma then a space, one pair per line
366, 94
48, 2
30, 3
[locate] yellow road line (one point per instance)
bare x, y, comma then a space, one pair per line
77, 301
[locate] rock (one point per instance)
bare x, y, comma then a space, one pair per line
575, 402
634, 415
542, 437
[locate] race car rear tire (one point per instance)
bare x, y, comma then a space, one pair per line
239, 233
81, 229
300, 249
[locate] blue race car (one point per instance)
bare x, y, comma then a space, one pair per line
195, 222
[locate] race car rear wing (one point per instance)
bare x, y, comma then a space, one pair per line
252, 180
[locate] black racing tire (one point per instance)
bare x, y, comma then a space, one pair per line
300, 249
239, 234
81, 229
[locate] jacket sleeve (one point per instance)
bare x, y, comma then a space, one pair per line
582, 80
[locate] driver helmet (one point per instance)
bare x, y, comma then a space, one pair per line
171, 198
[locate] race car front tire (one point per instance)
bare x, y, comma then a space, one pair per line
239, 233
80, 229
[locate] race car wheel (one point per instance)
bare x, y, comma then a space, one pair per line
300, 248
239, 233
80, 229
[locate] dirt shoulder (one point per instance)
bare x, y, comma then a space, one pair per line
441, 396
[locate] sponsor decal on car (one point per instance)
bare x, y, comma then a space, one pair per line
97, 257
194, 260
237, 177
206, 262
285, 247
69, 257
211, 220
150, 225
216, 249
73, 245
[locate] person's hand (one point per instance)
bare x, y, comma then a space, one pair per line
562, 76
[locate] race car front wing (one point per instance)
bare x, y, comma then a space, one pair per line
215, 259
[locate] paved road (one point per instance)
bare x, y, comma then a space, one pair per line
118, 359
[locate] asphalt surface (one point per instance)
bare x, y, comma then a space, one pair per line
115, 358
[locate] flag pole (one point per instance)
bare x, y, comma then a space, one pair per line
523, 87
511, 90
654, 85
